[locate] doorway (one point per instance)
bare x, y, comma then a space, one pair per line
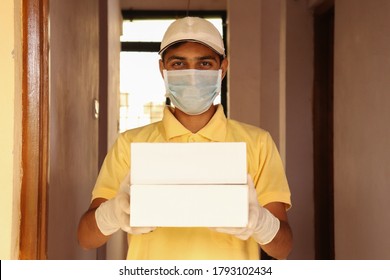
323, 132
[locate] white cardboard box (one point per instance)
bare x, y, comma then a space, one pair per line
189, 185
189, 205
188, 163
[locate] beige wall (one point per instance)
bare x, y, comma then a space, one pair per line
117, 245
7, 124
362, 130
256, 52
244, 50
299, 126
114, 47
270, 45
10, 124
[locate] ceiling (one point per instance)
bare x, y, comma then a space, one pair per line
173, 4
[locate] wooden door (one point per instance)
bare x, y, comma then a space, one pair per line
35, 102
73, 136
60, 132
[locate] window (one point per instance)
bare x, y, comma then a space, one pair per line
142, 90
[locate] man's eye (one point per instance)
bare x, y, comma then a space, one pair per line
177, 64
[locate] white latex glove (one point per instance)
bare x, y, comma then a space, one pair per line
262, 224
114, 214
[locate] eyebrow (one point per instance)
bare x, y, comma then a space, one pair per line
197, 58
175, 57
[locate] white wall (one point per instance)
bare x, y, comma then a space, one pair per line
10, 126
361, 129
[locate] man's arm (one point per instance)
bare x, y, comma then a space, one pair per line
281, 245
104, 217
267, 225
88, 233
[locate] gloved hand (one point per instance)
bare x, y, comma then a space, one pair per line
114, 214
262, 224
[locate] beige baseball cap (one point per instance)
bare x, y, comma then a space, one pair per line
193, 29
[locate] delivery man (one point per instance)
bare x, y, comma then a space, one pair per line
193, 64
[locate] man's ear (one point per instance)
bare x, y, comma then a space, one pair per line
161, 64
224, 67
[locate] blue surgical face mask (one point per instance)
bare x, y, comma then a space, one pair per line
192, 91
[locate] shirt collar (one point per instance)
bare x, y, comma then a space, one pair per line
215, 129
173, 128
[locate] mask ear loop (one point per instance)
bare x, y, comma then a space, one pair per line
220, 69
219, 81
167, 99
165, 75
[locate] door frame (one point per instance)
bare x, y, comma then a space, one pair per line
35, 131
323, 131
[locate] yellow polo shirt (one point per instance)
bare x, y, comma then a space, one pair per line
264, 165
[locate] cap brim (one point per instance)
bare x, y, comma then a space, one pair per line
189, 40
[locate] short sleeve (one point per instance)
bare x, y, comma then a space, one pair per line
115, 167
270, 180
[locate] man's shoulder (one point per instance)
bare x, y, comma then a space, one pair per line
246, 128
141, 132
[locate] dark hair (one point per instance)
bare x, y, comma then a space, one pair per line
174, 46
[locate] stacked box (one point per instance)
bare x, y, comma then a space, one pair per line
189, 185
